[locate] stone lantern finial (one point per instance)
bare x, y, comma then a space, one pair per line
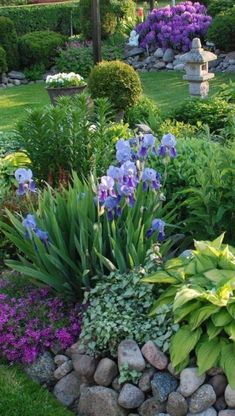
196, 66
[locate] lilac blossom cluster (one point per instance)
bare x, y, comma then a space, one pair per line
33, 321
174, 26
119, 186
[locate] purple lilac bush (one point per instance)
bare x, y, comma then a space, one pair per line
174, 26
32, 320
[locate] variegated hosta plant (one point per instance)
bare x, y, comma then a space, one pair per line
201, 289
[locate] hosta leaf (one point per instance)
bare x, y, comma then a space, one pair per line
227, 362
208, 353
185, 295
160, 277
164, 299
212, 330
178, 368
182, 312
230, 330
201, 315
182, 343
231, 309
222, 318
218, 242
174, 263
216, 275
204, 263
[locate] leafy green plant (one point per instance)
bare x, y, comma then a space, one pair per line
127, 375
218, 6
35, 72
222, 30
201, 293
71, 136
227, 92
39, 48
117, 309
212, 111
117, 81
3, 62
141, 110
9, 42
75, 59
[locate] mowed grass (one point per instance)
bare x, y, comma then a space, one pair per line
19, 396
168, 89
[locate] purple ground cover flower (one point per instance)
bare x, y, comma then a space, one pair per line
32, 321
174, 26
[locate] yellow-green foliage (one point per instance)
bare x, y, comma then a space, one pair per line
117, 81
201, 292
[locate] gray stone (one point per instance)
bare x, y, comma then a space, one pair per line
145, 380
78, 348
179, 67
163, 384
219, 384
129, 353
60, 359
154, 356
116, 385
190, 381
229, 396
159, 65
134, 52
106, 372
42, 370
170, 66
16, 75
202, 399
63, 370
16, 82
143, 128
227, 412
209, 412
85, 365
68, 389
176, 404
171, 370
159, 53
168, 55
151, 407
99, 401
4, 79
230, 69
130, 397
10, 85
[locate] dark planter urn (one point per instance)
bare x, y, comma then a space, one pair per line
54, 93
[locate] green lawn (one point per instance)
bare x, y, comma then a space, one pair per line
19, 396
167, 88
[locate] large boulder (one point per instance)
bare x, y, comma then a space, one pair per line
99, 401
130, 354
42, 370
68, 389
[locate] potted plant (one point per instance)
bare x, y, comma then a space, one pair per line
64, 84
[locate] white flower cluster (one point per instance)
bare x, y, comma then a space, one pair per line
65, 78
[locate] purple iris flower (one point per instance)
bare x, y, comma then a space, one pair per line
25, 181
112, 206
106, 187
123, 153
114, 172
43, 235
168, 146
149, 140
159, 226
29, 222
128, 193
151, 178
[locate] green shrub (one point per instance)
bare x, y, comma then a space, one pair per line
39, 48
35, 73
200, 184
61, 17
201, 293
227, 92
140, 112
111, 13
74, 59
118, 309
117, 81
212, 111
8, 41
70, 136
218, 6
222, 31
3, 62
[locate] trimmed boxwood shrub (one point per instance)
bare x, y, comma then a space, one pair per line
8, 40
111, 13
218, 6
55, 17
39, 48
117, 81
222, 31
3, 62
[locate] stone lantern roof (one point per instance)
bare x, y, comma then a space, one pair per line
197, 54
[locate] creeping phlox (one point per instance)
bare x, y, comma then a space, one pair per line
25, 180
64, 79
119, 186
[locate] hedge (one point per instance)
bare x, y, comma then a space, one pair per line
54, 17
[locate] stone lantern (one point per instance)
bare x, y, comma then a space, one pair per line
196, 66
